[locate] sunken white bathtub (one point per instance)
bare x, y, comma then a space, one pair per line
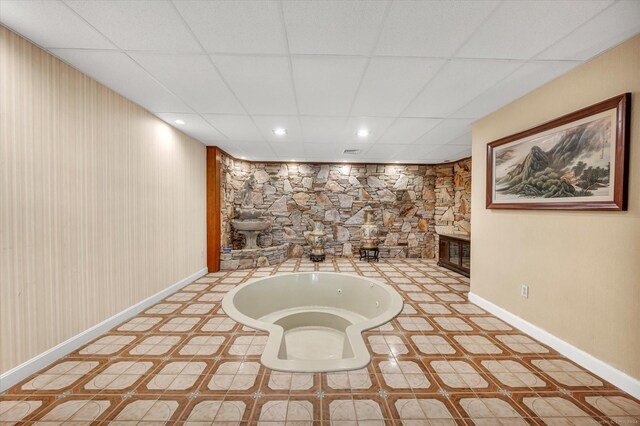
315, 320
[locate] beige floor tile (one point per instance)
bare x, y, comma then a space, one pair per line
419, 412
458, 374
107, 345
225, 413
12, 412
61, 375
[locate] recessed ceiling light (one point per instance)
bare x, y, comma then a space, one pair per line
396, 161
279, 131
363, 133
243, 158
179, 121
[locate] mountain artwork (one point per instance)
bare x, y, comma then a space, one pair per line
566, 163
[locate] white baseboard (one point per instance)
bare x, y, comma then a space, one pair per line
611, 374
37, 363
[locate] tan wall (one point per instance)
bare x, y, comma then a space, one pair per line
101, 203
583, 268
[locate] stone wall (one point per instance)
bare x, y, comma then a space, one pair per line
453, 198
254, 258
404, 198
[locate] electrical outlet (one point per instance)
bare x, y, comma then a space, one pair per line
524, 291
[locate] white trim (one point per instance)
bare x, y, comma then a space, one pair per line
37, 363
620, 379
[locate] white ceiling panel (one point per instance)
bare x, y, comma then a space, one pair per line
456, 84
318, 150
249, 150
266, 124
262, 84
289, 151
235, 127
321, 130
388, 151
194, 126
414, 73
445, 132
120, 73
192, 78
614, 25
408, 129
376, 125
464, 140
138, 24
390, 84
436, 29
526, 78
326, 85
520, 30
442, 153
333, 27
466, 152
235, 26
51, 24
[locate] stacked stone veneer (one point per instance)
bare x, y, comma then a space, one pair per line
254, 258
453, 198
405, 199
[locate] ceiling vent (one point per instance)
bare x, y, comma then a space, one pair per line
352, 151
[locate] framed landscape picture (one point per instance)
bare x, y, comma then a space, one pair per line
575, 162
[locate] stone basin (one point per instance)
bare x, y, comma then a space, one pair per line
249, 213
251, 225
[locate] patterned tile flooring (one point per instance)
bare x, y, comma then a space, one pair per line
443, 361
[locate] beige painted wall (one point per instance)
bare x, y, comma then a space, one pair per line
101, 203
583, 268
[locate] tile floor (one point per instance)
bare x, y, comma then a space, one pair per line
443, 361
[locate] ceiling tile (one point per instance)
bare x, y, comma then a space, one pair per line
194, 125
522, 81
389, 84
446, 132
457, 83
266, 124
138, 24
520, 30
289, 151
314, 76
436, 29
51, 24
445, 153
262, 84
193, 79
120, 73
235, 26
387, 151
326, 85
376, 125
333, 27
324, 150
322, 130
249, 150
463, 140
614, 25
235, 127
407, 130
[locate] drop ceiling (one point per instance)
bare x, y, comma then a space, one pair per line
417, 74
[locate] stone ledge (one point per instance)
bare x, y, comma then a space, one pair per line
254, 258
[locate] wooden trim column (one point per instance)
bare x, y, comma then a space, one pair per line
214, 160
